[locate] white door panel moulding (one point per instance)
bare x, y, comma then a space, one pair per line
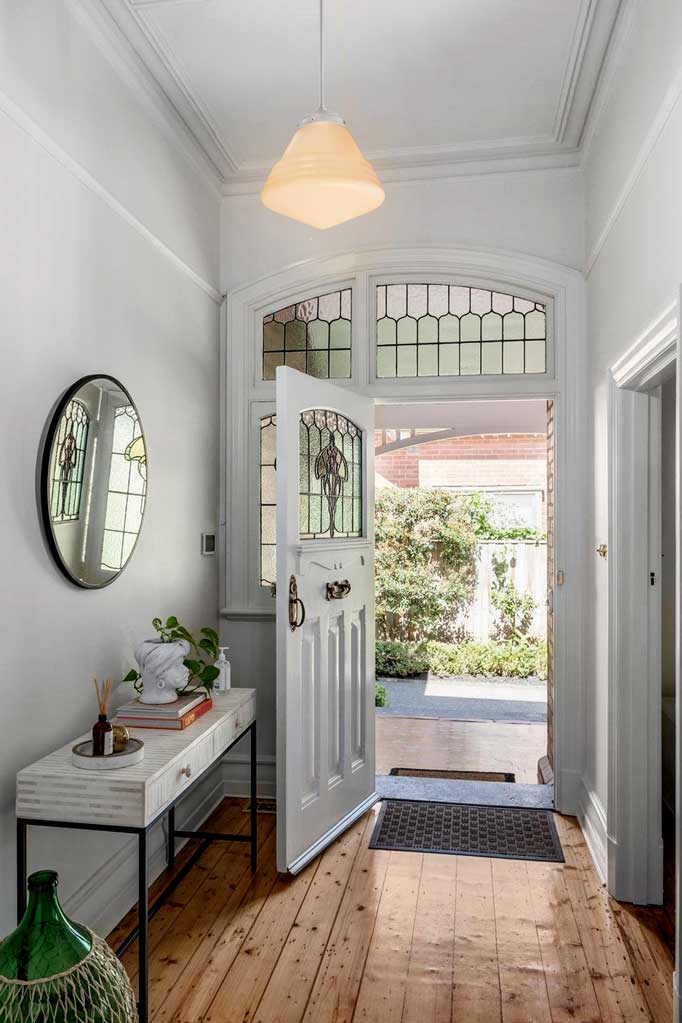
129, 63
244, 399
592, 819
41, 138
592, 32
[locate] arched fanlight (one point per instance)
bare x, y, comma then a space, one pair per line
322, 178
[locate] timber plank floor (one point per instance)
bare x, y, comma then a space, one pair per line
369, 936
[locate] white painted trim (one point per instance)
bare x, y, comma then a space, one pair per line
646, 149
565, 288
594, 24
246, 614
107, 895
48, 144
126, 60
613, 58
297, 866
635, 867
677, 1000
592, 819
650, 354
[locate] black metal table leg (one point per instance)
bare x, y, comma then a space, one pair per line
254, 803
21, 868
171, 836
143, 924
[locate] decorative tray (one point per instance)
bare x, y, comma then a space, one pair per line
81, 756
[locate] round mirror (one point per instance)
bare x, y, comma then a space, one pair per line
94, 481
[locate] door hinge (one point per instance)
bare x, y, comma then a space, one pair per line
560, 577
652, 578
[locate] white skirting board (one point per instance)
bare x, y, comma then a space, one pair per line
592, 818
237, 775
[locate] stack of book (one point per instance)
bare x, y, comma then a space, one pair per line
179, 714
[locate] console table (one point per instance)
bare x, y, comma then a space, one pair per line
131, 800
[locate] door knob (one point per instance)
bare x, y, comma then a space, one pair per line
295, 605
338, 590
187, 770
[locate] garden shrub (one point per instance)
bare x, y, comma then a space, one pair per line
400, 660
510, 658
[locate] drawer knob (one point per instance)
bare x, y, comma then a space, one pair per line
187, 770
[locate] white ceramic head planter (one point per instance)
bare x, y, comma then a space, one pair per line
162, 669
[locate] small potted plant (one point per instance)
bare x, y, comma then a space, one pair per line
174, 662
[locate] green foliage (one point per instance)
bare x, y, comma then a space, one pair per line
510, 659
202, 672
482, 513
425, 563
380, 696
400, 660
515, 609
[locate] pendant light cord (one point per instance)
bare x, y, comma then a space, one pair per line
322, 96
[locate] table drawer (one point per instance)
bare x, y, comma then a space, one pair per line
179, 775
228, 730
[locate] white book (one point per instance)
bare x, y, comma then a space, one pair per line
172, 711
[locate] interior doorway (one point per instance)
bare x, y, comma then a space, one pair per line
464, 597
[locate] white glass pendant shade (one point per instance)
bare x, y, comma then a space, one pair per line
322, 178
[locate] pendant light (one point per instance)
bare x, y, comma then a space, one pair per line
322, 178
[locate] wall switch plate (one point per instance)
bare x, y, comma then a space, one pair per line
208, 544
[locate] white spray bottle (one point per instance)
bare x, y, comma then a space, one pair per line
222, 683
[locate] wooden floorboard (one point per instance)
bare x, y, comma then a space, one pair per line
368, 936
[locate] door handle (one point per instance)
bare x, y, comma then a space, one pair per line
338, 590
295, 603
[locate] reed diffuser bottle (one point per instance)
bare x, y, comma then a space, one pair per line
102, 732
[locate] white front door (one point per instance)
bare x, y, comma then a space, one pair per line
325, 613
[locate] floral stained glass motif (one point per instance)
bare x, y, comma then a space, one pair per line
268, 500
313, 336
330, 475
127, 489
436, 330
68, 464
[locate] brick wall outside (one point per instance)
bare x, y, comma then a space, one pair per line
513, 461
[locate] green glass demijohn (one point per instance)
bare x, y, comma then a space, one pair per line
46, 942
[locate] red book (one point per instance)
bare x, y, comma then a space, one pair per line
177, 723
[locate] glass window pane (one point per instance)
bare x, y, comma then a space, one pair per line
339, 364
535, 325
427, 329
535, 356
396, 300
407, 360
512, 357
427, 360
417, 300
491, 357
407, 331
314, 325
470, 359
386, 362
449, 360
126, 488
449, 328
386, 332
470, 327
439, 300
491, 327
330, 475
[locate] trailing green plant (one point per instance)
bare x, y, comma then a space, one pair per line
510, 658
202, 672
380, 696
482, 512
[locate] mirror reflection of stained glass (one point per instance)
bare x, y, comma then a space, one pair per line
94, 481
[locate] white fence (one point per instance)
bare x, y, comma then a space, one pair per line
527, 567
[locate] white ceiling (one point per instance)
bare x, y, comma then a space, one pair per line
420, 82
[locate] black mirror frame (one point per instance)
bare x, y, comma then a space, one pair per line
44, 463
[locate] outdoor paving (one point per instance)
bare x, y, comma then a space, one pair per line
465, 699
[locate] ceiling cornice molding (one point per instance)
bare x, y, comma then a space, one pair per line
593, 30
613, 55
115, 45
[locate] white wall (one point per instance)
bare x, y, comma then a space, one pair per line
633, 172
538, 213
84, 290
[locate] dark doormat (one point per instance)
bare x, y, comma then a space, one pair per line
510, 833
425, 772
263, 805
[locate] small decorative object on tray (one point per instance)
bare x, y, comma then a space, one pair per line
121, 738
177, 715
102, 734
82, 756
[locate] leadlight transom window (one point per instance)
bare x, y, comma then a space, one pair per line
127, 489
68, 465
330, 476
268, 500
435, 330
313, 336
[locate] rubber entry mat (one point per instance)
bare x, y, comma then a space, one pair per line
501, 832
425, 772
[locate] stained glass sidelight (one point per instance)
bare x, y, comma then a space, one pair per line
313, 336
127, 488
68, 464
330, 475
268, 500
435, 330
